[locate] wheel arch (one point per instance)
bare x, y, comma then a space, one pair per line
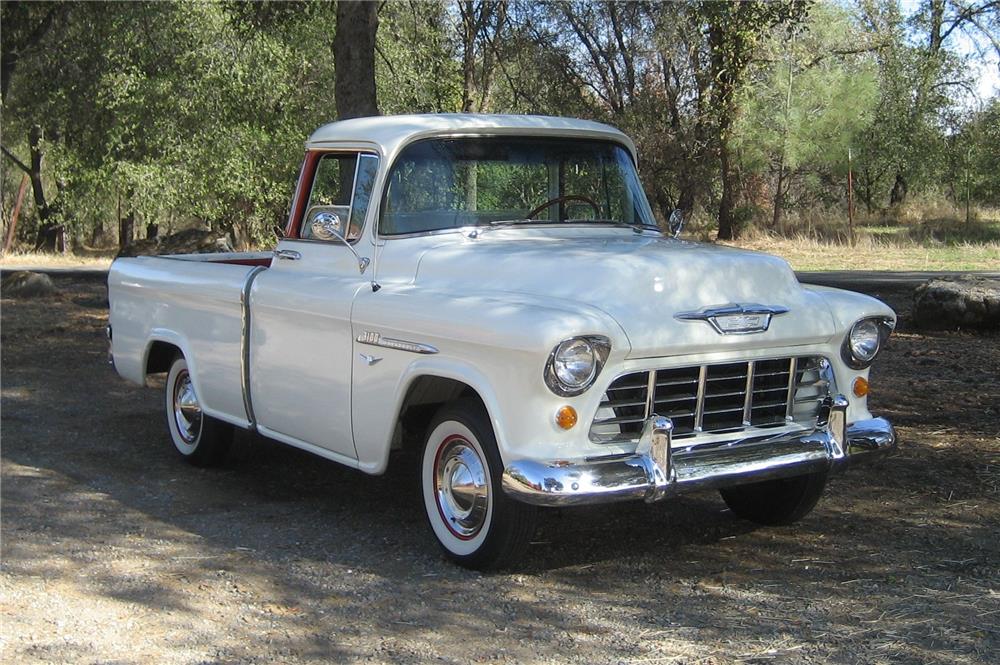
161, 348
422, 390
424, 396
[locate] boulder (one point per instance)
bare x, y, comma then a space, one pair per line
968, 301
188, 241
25, 284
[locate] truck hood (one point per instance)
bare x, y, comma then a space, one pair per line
642, 282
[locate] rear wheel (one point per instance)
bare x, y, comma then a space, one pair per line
477, 524
201, 440
776, 502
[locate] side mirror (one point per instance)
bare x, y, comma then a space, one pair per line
676, 222
327, 226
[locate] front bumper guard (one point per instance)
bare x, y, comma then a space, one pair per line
655, 470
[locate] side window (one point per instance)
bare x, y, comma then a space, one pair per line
342, 185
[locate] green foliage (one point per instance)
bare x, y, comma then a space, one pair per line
808, 106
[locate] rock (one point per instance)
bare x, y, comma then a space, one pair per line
25, 284
188, 241
963, 302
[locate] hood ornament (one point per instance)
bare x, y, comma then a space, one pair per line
735, 318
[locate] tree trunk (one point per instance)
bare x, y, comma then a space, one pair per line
354, 59
899, 189
126, 224
779, 195
727, 223
45, 239
468, 53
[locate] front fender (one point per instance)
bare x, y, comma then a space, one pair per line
496, 345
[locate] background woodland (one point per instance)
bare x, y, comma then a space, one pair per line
127, 120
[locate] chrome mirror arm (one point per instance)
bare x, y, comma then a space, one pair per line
326, 226
375, 285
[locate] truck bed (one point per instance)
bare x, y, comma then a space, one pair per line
193, 302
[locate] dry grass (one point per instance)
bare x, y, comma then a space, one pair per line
42, 260
873, 253
813, 242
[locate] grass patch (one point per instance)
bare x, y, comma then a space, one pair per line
42, 260
878, 253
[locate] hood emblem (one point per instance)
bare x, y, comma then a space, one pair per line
735, 318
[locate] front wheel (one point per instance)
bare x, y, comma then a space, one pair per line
478, 525
201, 440
776, 502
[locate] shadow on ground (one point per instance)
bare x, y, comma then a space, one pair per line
113, 550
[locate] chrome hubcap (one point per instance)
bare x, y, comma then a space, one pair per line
187, 410
461, 487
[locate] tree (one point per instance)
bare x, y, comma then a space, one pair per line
921, 78
354, 58
481, 22
735, 31
25, 27
811, 97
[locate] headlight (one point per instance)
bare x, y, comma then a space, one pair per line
575, 363
864, 341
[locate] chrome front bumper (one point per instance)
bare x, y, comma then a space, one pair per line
655, 470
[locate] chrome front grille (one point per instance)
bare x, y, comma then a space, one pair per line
714, 399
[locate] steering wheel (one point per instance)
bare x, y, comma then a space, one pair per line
563, 199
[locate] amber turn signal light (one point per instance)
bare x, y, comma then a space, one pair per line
860, 387
566, 417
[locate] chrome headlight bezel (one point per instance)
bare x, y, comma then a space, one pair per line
556, 377
851, 350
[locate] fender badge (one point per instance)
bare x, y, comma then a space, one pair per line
375, 339
735, 318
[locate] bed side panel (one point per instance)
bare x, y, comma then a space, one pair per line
192, 304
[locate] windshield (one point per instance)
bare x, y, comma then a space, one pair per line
450, 183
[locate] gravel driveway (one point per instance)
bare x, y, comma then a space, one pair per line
114, 551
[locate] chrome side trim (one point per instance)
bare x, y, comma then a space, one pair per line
245, 346
655, 471
375, 339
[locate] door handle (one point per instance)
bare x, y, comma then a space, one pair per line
288, 254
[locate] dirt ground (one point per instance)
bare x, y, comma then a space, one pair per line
114, 551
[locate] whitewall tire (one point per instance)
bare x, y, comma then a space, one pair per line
474, 521
200, 439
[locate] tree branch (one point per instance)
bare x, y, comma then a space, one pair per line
968, 13
871, 48
21, 165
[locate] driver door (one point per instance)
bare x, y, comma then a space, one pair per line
300, 325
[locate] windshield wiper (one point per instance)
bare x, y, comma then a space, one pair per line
639, 227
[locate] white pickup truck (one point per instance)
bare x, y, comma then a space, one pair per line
494, 291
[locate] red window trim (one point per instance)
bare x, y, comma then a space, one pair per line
302, 191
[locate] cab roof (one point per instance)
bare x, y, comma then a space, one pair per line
390, 132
